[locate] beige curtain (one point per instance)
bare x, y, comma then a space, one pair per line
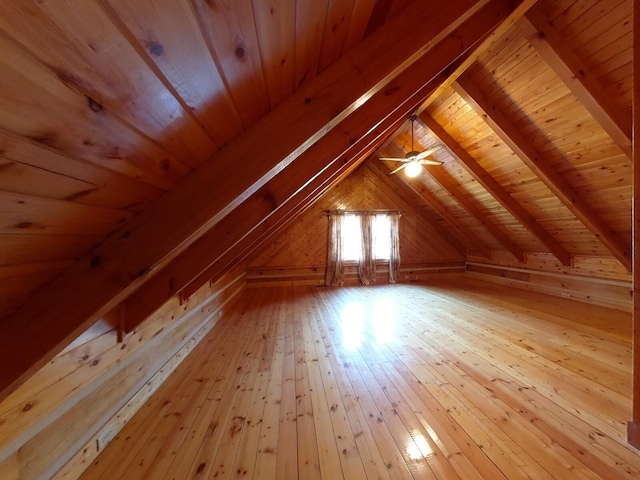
367, 265
333, 273
394, 257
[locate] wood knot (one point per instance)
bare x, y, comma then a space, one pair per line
391, 91
143, 272
24, 225
240, 52
95, 261
94, 105
156, 49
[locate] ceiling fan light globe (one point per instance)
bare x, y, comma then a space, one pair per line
413, 169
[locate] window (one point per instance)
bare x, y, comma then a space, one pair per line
352, 237
362, 237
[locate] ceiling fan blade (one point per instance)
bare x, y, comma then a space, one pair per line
394, 159
428, 161
429, 151
399, 168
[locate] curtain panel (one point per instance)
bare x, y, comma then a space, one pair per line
394, 256
334, 271
367, 265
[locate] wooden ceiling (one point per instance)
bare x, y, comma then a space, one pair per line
147, 146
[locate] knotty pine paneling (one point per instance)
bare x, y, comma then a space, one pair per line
81, 43
101, 186
304, 242
335, 31
475, 136
74, 123
600, 34
168, 32
67, 410
466, 186
275, 26
229, 28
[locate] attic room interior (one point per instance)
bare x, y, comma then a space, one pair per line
319, 239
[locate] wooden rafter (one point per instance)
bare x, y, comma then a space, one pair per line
452, 187
465, 236
496, 190
445, 181
244, 250
485, 46
582, 83
405, 192
544, 170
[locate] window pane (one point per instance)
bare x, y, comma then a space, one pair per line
351, 238
383, 237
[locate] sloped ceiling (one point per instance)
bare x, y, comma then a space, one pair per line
147, 144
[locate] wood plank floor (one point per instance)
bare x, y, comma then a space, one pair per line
459, 380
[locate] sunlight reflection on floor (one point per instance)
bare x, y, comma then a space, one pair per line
355, 316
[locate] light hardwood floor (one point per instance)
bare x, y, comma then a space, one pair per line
455, 380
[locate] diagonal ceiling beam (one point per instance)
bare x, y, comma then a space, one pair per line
248, 247
398, 186
485, 46
450, 185
442, 178
496, 191
544, 170
582, 83
466, 236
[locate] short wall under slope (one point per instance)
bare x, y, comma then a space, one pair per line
598, 290
57, 422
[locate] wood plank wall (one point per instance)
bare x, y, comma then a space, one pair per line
298, 254
62, 417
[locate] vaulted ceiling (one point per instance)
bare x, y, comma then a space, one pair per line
146, 147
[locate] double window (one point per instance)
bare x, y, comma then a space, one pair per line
352, 237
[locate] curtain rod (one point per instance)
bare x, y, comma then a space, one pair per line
328, 212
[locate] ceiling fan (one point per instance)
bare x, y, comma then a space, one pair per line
413, 160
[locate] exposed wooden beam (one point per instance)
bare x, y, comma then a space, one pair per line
240, 233
443, 179
401, 188
466, 236
544, 170
582, 83
485, 46
633, 427
150, 240
247, 248
496, 190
